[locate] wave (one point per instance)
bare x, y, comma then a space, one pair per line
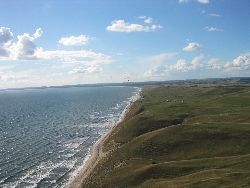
56, 155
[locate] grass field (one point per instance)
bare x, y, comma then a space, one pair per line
180, 136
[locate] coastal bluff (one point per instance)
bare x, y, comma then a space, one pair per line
178, 136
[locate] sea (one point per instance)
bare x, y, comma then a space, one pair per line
46, 134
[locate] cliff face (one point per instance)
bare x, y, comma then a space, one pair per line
179, 136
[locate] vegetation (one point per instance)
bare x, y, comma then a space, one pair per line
180, 136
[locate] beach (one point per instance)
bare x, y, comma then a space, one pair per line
96, 152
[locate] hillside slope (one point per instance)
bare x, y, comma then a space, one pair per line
180, 136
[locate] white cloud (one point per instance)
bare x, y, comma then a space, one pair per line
181, 65
4, 52
212, 29
199, 1
6, 67
82, 61
155, 27
79, 56
240, 63
213, 63
196, 62
74, 40
156, 72
24, 48
147, 20
86, 70
10, 76
142, 17
6, 37
38, 33
122, 26
53, 67
158, 69
160, 58
192, 46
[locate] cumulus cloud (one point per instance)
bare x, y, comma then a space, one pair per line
240, 63
38, 33
74, 40
200, 63
161, 71
199, 1
6, 37
54, 64
192, 46
122, 26
24, 48
212, 29
181, 65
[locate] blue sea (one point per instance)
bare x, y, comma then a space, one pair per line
45, 134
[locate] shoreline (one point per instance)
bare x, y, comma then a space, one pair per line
165, 140
96, 153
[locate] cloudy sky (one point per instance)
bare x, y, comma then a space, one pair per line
58, 42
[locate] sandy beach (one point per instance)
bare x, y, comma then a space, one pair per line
96, 152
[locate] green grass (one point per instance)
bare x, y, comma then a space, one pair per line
180, 136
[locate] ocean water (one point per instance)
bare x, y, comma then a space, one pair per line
45, 134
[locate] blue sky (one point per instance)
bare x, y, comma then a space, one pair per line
58, 42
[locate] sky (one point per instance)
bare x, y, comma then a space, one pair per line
61, 42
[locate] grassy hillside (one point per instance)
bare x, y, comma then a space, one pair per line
180, 136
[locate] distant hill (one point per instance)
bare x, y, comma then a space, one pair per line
207, 81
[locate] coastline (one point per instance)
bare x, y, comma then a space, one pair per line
96, 153
165, 141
